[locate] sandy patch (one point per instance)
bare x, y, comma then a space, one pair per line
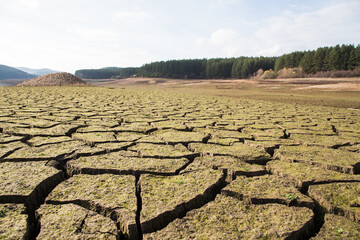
334, 87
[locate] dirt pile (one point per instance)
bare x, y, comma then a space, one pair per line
53, 79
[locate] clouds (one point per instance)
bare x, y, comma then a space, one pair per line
331, 25
137, 15
290, 31
68, 35
221, 43
29, 3
220, 4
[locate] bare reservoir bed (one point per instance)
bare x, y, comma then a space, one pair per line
113, 163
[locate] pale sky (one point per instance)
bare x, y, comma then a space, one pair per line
68, 35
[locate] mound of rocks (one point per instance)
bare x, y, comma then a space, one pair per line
53, 79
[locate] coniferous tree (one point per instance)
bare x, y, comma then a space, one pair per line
354, 58
335, 58
319, 59
279, 64
307, 62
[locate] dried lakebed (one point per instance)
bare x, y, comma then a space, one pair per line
99, 163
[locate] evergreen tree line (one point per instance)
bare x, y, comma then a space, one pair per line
344, 57
217, 68
106, 73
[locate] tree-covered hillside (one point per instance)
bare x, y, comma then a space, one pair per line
7, 72
344, 57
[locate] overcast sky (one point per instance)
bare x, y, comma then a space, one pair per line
67, 35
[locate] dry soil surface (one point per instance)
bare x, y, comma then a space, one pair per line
112, 163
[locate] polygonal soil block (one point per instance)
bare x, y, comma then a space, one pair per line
125, 162
229, 218
352, 128
312, 130
303, 175
200, 123
150, 139
39, 141
70, 221
267, 189
6, 138
156, 150
173, 136
352, 137
228, 125
108, 123
27, 182
244, 152
94, 137
93, 128
173, 124
223, 141
270, 143
58, 130
220, 133
8, 148
165, 198
274, 132
112, 195
320, 140
235, 166
38, 122
332, 159
140, 127
9, 126
51, 151
351, 148
339, 198
58, 116
338, 228
113, 146
13, 221
259, 125
129, 136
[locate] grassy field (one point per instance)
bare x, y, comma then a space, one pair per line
177, 160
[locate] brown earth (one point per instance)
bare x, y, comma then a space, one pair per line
334, 92
336, 84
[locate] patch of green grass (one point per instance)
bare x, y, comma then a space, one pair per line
180, 182
291, 196
41, 154
340, 230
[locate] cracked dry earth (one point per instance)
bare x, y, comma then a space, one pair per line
98, 163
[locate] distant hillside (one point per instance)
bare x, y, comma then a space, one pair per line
38, 72
7, 73
106, 73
